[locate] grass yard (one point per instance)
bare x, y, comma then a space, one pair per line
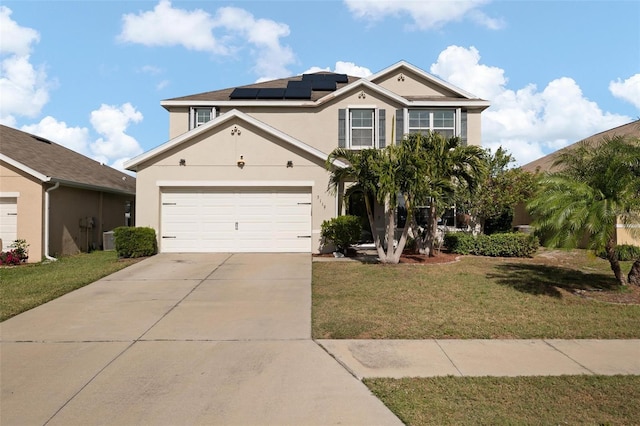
557, 294
564, 400
27, 286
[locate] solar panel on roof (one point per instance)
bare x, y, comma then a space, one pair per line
271, 93
303, 92
341, 78
338, 78
323, 85
244, 93
296, 84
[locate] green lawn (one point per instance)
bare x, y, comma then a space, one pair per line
564, 400
27, 286
554, 295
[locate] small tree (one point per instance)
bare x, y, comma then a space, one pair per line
493, 202
342, 231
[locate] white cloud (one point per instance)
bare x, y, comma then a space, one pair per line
263, 37
112, 122
628, 90
194, 30
162, 85
341, 67
528, 122
24, 88
114, 146
168, 26
75, 138
425, 14
14, 39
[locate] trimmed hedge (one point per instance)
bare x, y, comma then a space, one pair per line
342, 231
496, 245
135, 242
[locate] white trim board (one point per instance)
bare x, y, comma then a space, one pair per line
235, 183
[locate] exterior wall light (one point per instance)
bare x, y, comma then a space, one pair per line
289, 164
183, 162
241, 161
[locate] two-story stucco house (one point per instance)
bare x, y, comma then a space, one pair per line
244, 167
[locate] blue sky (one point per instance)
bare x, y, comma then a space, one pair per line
91, 74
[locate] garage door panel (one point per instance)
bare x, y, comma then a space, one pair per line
236, 219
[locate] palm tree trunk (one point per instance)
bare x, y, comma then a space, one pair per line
374, 231
634, 274
391, 228
610, 250
429, 236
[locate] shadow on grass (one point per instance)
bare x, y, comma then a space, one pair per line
547, 280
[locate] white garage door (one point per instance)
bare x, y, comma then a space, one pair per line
236, 220
8, 221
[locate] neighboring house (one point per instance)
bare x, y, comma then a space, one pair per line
244, 168
522, 219
56, 199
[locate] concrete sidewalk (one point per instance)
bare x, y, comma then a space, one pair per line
427, 358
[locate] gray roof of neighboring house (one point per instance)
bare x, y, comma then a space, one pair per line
545, 164
62, 164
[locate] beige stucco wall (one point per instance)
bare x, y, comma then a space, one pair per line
213, 157
80, 216
407, 83
626, 236
474, 127
30, 203
178, 121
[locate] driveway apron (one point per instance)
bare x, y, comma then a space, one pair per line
181, 339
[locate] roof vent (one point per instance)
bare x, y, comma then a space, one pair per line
41, 139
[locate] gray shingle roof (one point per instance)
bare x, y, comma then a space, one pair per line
62, 164
223, 95
545, 164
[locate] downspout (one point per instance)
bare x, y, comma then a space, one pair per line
46, 221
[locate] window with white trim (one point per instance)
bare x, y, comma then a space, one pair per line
361, 128
442, 121
201, 115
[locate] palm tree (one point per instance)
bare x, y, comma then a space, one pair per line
422, 168
597, 188
443, 164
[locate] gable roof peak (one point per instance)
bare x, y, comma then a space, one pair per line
424, 74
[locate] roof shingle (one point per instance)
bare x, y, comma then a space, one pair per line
545, 164
62, 164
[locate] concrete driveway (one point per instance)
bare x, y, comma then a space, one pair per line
181, 340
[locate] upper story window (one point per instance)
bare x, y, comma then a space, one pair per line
442, 121
200, 116
361, 128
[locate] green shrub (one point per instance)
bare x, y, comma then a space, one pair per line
496, 245
624, 253
342, 231
460, 242
135, 242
